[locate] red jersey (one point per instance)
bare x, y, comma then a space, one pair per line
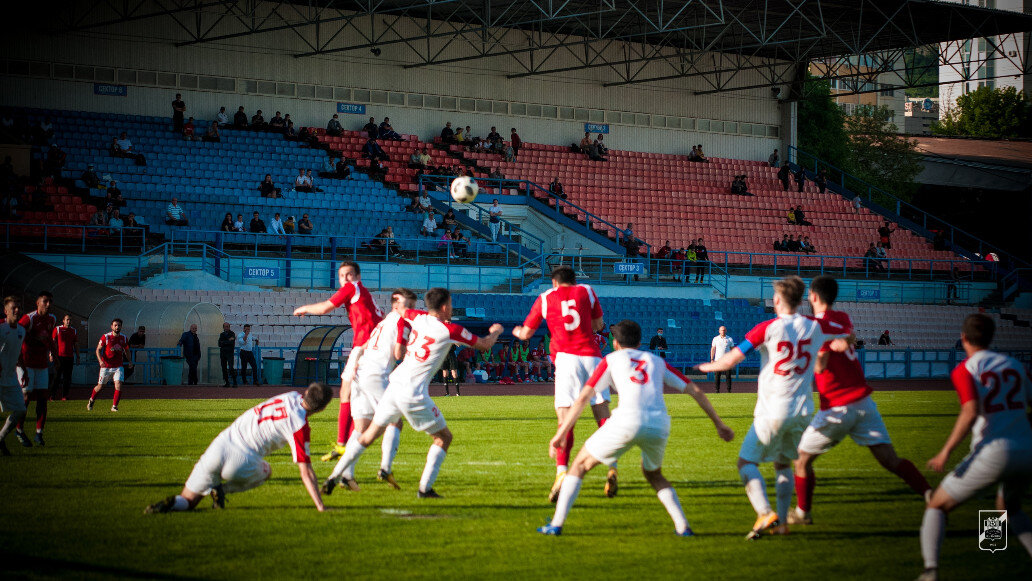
842, 382
568, 311
66, 339
39, 342
362, 311
113, 349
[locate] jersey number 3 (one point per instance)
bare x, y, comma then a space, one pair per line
642, 376
794, 352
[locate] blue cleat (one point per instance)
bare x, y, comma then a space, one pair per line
550, 530
687, 533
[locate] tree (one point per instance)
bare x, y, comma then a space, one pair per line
878, 154
988, 113
820, 124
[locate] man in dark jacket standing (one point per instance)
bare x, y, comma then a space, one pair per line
658, 344
191, 351
227, 344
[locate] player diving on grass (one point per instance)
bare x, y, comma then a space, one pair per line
431, 336
386, 345
573, 315
995, 392
846, 410
788, 347
364, 316
234, 461
640, 420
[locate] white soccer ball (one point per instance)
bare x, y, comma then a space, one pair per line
464, 190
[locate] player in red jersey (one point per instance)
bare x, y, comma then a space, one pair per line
112, 353
846, 410
66, 339
38, 352
364, 316
574, 316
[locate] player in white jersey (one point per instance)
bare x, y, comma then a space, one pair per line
386, 345
641, 420
995, 392
234, 462
12, 401
788, 347
407, 394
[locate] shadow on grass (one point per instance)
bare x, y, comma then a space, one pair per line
36, 566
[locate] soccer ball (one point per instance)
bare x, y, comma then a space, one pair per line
464, 190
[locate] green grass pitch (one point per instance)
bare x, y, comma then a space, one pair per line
74, 508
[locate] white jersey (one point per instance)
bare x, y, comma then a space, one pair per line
429, 341
11, 339
377, 360
1002, 389
721, 345
270, 425
639, 377
788, 347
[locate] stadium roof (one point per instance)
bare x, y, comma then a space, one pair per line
623, 36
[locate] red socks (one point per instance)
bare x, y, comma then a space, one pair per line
345, 425
41, 409
602, 422
118, 396
804, 491
912, 476
562, 455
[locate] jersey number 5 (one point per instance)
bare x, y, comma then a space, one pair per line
995, 383
794, 352
570, 310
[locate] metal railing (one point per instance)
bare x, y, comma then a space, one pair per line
906, 268
50, 237
630, 270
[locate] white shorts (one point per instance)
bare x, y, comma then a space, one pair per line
12, 399
571, 373
993, 462
38, 379
225, 463
614, 438
366, 393
111, 373
352, 365
773, 439
859, 420
419, 411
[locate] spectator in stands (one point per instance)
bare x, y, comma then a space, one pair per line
222, 117
779, 245
238, 224
800, 178
424, 202
493, 136
125, 149
343, 169
227, 223
783, 174
593, 153
371, 129
794, 245
792, 215
189, 131
516, 142
99, 218
240, 118
884, 233
800, 217
385, 241
658, 344
276, 226
178, 112
460, 244
446, 244
693, 155
175, 215
290, 132
459, 137
450, 221
90, 177
556, 187
424, 158
257, 225
378, 170
373, 151
447, 135
212, 134
290, 226
509, 153
429, 225
882, 254
585, 143
807, 246
134, 221
301, 183
258, 122
871, 255
884, 339
738, 186
277, 123
269, 189
416, 160
334, 128
600, 145
304, 226
247, 343
330, 169
310, 180
494, 221
413, 205
701, 261
386, 131
115, 222
821, 179
773, 160
702, 156
856, 204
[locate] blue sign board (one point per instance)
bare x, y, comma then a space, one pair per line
596, 128
868, 294
261, 272
110, 90
351, 108
629, 268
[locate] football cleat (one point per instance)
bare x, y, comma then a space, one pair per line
3, 449
763, 522
328, 486
388, 477
89, 405
610, 488
161, 507
336, 452
428, 494
779, 530
929, 575
796, 516
218, 497
550, 530
114, 408
686, 533
351, 483
553, 495
22, 439
39, 439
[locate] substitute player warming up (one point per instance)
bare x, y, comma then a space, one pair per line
407, 394
12, 401
573, 315
112, 352
364, 315
994, 392
846, 410
788, 347
640, 420
235, 460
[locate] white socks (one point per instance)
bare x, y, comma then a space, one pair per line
560, 469
755, 488
933, 529
12, 420
351, 454
434, 459
567, 494
389, 447
668, 496
181, 504
349, 470
784, 484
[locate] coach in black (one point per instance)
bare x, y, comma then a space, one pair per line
227, 344
191, 344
